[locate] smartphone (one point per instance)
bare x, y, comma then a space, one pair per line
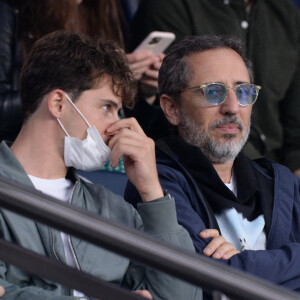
156, 41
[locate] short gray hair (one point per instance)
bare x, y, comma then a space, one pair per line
174, 74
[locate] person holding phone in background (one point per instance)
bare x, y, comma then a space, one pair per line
155, 43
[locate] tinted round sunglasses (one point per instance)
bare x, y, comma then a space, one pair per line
216, 93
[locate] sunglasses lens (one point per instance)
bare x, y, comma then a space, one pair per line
246, 94
215, 93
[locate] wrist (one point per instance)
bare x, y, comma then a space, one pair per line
152, 194
297, 172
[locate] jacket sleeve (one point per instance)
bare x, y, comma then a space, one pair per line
160, 221
10, 104
13, 291
160, 15
280, 266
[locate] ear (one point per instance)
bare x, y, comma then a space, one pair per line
56, 102
170, 108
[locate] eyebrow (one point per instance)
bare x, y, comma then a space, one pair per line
236, 82
205, 83
240, 82
111, 102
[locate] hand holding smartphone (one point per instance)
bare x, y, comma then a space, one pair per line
144, 65
156, 41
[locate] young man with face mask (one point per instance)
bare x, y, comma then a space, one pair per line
72, 89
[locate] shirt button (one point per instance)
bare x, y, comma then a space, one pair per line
244, 24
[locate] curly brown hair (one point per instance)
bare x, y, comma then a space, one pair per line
74, 63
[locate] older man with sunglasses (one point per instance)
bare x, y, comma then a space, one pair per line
244, 213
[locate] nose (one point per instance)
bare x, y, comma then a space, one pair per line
230, 105
116, 116
113, 118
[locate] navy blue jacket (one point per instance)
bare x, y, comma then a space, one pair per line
280, 263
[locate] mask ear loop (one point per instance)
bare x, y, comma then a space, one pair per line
86, 121
62, 127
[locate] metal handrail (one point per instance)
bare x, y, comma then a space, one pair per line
180, 263
42, 266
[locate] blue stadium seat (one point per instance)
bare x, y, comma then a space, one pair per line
115, 181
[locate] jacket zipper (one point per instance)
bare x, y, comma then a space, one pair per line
70, 243
68, 291
53, 249
69, 237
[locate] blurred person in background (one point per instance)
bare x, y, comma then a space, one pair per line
25, 21
21, 24
270, 31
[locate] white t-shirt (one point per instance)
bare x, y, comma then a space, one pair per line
60, 189
236, 229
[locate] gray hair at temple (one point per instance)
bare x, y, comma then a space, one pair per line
174, 74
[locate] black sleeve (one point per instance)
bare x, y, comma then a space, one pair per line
10, 60
161, 15
151, 118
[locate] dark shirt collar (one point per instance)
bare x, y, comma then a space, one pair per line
216, 192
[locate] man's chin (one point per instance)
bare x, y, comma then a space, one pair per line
228, 138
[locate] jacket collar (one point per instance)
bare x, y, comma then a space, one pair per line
11, 168
208, 181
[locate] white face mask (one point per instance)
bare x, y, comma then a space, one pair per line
89, 154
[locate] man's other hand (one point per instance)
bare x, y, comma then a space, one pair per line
144, 293
2, 291
218, 247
